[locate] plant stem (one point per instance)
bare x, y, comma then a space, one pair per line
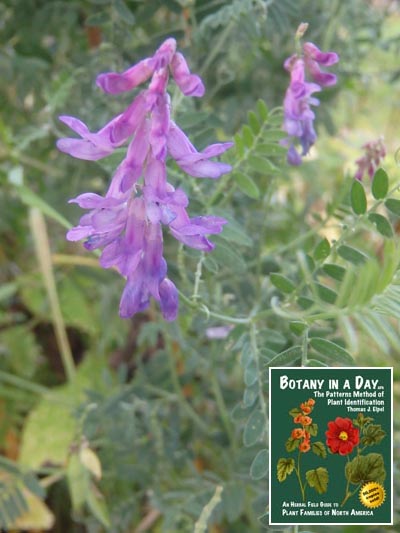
304, 348
299, 477
182, 400
219, 400
197, 278
201, 524
43, 253
206, 311
261, 399
75, 260
23, 384
217, 47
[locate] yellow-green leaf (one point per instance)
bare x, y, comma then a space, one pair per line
318, 479
284, 468
38, 515
91, 462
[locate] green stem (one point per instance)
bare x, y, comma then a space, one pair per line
197, 277
43, 253
298, 473
181, 265
261, 399
217, 47
224, 180
201, 524
302, 488
23, 384
201, 307
219, 400
304, 348
182, 400
35, 163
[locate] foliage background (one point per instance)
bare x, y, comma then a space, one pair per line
167, 412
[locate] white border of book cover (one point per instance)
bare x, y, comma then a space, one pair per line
330, 446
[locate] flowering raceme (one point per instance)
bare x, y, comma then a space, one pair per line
374, 153
127, 222
303, 434
298, 115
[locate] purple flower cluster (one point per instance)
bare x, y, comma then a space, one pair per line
298, 115
374, 153
127, 222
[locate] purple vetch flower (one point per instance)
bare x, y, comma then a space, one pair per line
218, 332
374, 153
127, 222
298, 115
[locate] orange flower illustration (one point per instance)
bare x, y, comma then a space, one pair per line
298, 433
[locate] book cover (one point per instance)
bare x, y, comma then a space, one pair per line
330, 446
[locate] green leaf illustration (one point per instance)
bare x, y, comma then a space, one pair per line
319, 449
292, 444
373, 434
318, 479
294, 412
366, 468
284, 468
362, 420
313, 429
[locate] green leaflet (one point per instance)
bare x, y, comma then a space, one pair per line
331, 350
358, 198
254, 429
380, 184
259, 466
282, 283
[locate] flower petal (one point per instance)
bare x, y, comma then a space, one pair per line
323, 58
115, 83
82, 149
169, 300
189, 84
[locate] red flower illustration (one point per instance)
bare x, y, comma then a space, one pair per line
342, 436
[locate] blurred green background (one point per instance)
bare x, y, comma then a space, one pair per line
153, 404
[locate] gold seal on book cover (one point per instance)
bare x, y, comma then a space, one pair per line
372, 494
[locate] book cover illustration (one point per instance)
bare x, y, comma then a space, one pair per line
330, 446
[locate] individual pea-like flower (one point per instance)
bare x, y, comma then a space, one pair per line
298, 115
127, 222
342, 436
374, 153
